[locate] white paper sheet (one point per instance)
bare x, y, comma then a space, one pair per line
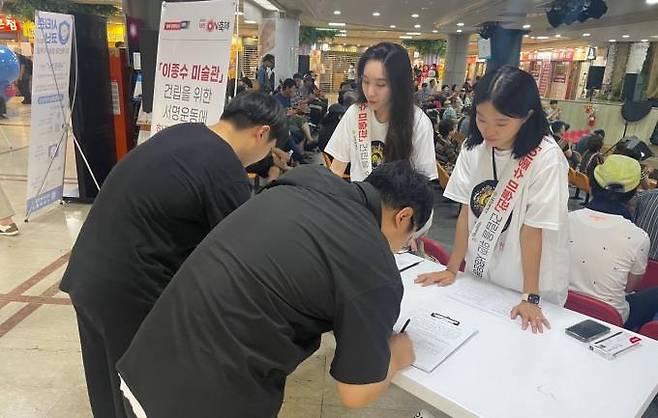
494, 300
406, 260
435, 337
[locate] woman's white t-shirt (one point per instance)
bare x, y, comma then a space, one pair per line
342, 145
541, 204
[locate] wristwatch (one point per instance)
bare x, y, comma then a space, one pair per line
531, 298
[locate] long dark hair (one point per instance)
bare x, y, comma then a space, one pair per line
400, 81
513, 92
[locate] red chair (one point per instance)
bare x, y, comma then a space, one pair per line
650, 329
436, 250
593, 307
650, 278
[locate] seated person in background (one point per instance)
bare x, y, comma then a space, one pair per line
445, 91
646, 217
450, 113
592, 156
299, 128
272, 166
553, 112
559, 128
335, 113
445, 146
581, 146
422, 95
608, 252
622, 149
465, 121
457, 103
433, 87
242, 313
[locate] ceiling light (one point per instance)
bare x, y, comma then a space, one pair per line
336, 12
417, 26
326, 29
587, 34
526, 36
250, 22
644, 40
342, 35
343, 31
406, 37
435, 31
460, 24
337, 24
612, 40
240, 13
527, 26
459, 31
558, 36
376, 14
625, 36
392, 26
650, 2
266, 5
414, 33
415, 15
542, 37
532, 37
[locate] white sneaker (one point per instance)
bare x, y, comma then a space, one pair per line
423, 413
9, 230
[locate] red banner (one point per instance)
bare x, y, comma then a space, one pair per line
9, 24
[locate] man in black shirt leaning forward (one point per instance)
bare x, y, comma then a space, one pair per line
154, 208
310, 254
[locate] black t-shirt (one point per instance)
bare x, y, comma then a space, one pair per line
154, 208
304, 257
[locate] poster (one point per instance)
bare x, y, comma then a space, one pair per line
50, 109
193, 60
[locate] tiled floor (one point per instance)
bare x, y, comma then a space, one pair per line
41, 371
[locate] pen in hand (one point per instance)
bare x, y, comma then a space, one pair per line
405, 325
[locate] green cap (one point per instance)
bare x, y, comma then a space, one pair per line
618, 171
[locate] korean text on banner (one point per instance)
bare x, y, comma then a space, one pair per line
53, 36
193, 58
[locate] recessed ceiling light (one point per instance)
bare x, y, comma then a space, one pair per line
587, 34
392, 26
343, 31
654, 36
650, 2
406, 37
414, 33
435, 31
460, 24
417, 26
459, 31
336, 12
342, 35
337, 24
526, 36
644, 40
526, 26
625, 36
266, 5
376, 14
240, 13
250, 22
558, 36
542, 37
532, 37
415, 15
612, 40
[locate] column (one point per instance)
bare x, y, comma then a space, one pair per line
279, 36
505, 47
456, 56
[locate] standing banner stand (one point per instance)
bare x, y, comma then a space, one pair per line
50, 110
191, 73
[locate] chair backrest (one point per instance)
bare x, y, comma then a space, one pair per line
650, 329
436, 250
572, 176
327, 159
650, 278
581, 181
593, 307
443, 176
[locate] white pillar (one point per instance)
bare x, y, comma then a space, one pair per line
279, 36
456, 59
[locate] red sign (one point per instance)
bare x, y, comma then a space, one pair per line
9, 24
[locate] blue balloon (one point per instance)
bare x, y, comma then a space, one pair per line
10, 67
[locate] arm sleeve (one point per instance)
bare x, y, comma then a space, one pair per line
363, 328
639, 266
220, 202
459, 185
548, 196
340, 144
423, 157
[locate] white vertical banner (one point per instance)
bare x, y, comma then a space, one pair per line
53, 38
194, 49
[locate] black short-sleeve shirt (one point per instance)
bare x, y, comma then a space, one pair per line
154, 208
304, 257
